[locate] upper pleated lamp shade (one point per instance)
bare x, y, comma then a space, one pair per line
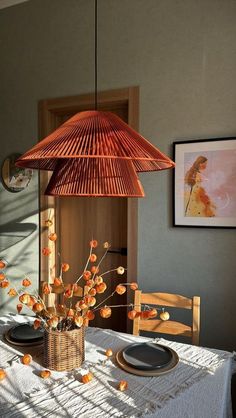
118, 152
95, 134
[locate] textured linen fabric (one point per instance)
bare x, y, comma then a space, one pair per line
199, 387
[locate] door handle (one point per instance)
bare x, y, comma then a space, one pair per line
122, 251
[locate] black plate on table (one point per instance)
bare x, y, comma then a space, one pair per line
147, 356
25, 333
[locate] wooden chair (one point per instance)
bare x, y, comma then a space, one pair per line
168, 327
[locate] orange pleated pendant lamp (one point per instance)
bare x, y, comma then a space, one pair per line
95, 153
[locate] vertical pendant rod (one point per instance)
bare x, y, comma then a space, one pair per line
96, 54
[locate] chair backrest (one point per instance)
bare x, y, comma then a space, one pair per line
168, 327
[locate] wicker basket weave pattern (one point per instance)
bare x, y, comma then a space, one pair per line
64, 351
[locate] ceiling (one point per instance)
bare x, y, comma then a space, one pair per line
8, 3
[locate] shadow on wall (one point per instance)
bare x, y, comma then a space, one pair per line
14, 208
14, 232
20, 257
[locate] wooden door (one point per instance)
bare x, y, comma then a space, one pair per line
78, 220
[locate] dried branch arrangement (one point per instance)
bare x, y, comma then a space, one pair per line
68, 316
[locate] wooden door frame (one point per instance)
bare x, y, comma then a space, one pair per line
49, 111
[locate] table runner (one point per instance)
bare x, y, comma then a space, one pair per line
100, 398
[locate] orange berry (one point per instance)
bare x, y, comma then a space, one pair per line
82, 304
78, 320
70, 313
92, 258
144, 315
106, 245
26, 282
105, 312
24, 298
68, 293
109, 352
12, 292
90, 283
45, 374
2, 374
53, 322
37, 323
32, 301
4, 284
94, 269
152, 313
77, 306
37, 307
164, 316
46, 251
123, 385
19, 307
87, 275
100, 288
47, 289
86, 378
98, 279
57, 281
132, 314
92, 301
89, 300
85, 322
93, 243
2, 264
120, 270
48, 223
92, 292
75, 287
65, 267
134, 286
2, 276
26, 359
120, 289
90, 315
52, 236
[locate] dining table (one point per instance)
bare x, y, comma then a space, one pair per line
198, 387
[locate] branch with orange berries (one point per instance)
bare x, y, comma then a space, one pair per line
63, 316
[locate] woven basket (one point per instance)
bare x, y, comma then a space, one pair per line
64, 351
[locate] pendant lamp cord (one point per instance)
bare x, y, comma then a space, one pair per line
96, 55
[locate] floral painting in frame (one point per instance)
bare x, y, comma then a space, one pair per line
205, 183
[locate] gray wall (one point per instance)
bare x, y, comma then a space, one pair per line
182, 54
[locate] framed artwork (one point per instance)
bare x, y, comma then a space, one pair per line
15, 179
205, 183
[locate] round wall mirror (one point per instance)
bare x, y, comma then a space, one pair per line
15, 179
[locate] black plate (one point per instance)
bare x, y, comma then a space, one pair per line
25, 333
147, 356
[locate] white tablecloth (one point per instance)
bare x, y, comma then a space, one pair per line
199, 387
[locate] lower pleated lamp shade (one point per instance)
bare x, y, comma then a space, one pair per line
95, 177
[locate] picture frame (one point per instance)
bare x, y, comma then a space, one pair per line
205, 183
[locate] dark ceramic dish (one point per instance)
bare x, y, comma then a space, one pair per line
147, 356
25, 333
